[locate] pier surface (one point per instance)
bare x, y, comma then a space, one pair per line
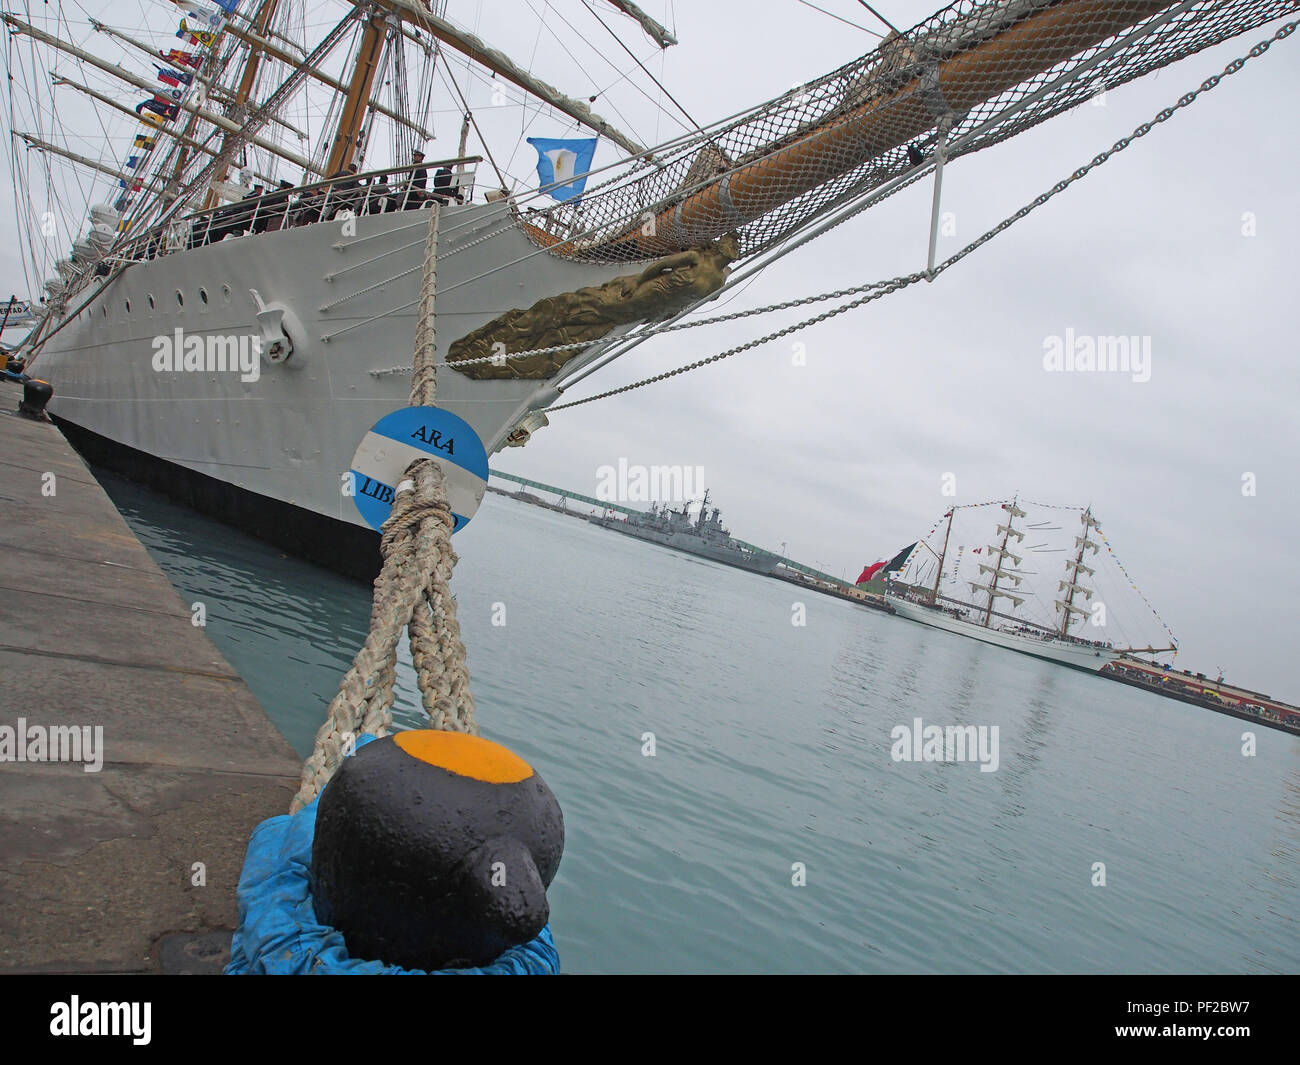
98, 870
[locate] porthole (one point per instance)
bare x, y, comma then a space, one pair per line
151, 305
203, 295
225, 293
180, 298
104, 310
128, 306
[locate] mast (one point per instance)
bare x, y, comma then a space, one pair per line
141, 83
704, 509
347, 136
503, 66
253, 59
1070, 585
238, 108
259, 117
1012, 512
312, 71
155, 131
934, 592
46, 146
213, 90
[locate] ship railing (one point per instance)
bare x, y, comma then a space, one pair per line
379, 191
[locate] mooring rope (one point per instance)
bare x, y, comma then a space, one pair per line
412, 592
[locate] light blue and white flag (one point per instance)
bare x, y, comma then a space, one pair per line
559, 162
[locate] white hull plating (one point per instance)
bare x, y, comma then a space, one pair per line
1080, 656
349, 305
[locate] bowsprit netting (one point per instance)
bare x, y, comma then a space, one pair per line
878, 290
985, 69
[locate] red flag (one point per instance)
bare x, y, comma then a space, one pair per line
870, 571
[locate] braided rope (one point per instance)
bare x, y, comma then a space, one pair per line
412, 592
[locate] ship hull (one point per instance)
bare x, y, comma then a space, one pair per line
1078, 656
342, 546
282, 442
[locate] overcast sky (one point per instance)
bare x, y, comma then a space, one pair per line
843, 459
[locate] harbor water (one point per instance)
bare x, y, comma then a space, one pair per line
727, 773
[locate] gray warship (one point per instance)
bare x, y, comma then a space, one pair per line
703, 535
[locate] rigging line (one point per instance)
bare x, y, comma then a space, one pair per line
879, 15
646, 70
866, 199
446, 75
625, 76
42, 259
524, 123
659, 107
579, 64
840, 18
676, 326
267, 108
794, 239
902, 282
527, 123
56, 131
20, 181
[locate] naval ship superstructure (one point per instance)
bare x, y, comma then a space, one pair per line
703, 535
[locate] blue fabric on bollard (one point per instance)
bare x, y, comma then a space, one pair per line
278, 931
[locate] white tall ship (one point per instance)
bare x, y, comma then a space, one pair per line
999, 584
223, 227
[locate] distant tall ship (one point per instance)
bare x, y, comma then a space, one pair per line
1000, 576
704, 535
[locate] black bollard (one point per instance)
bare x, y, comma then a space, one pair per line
36, 393
434, 850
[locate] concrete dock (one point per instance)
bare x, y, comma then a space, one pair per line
130, 867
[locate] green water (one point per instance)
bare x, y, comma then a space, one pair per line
773, 751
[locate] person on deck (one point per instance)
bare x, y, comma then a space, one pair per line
444, 187
417, 181
275, 206
345, 195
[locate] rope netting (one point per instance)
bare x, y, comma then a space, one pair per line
411, 593
994, 68
877, 290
